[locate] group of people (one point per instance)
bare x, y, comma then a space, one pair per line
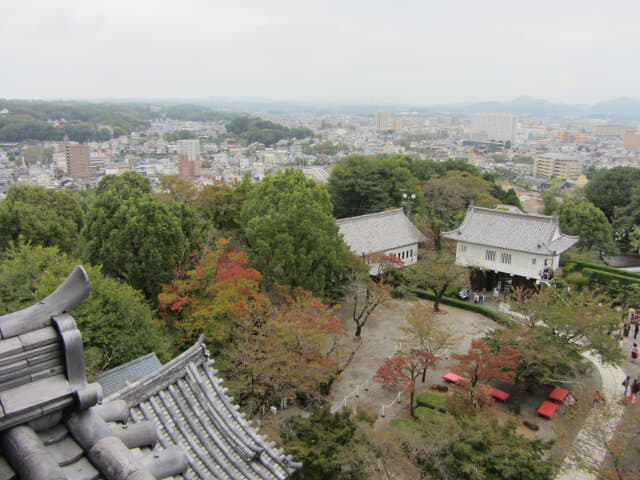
479, 296
631, 319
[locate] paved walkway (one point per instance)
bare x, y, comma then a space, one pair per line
590, 446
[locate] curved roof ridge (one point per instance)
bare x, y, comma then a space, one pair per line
163, 376
388, 211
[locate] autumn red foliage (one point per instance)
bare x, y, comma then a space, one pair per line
480, 366
399, 373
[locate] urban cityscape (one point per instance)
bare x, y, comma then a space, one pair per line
334, 241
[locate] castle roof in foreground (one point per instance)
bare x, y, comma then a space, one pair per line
176, 422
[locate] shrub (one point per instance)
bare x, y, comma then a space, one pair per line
578, 280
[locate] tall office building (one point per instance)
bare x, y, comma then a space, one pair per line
189, 159
383, 120
493, 126
78, 161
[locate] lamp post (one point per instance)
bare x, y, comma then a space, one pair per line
407, 202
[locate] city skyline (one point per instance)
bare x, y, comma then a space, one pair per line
421, 53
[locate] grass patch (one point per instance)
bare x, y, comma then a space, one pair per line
431, 400
403, 423
426, 414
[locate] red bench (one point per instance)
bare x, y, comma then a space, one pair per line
499, 394
453, 378
558, 394
547, 409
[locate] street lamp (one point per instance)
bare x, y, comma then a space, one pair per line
407, 202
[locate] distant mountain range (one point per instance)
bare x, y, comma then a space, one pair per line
623, 108
619, 109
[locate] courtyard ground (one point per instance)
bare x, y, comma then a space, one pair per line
382, 337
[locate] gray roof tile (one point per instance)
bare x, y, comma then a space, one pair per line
113, 380
513, 231
189, 407
378, 232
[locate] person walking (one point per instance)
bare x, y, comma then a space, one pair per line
635, 388
634, 351
636, 324
626, 383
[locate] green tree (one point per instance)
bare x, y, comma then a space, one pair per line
556, 184
39, 216
429, 332
134, 236
609, 189
581, 217
557, 327
472, 447
485, 450
221, 204
319, 441
116, 322
127, 184
436, 271
20, 270
551, 204
361, 185
627, 218
292, 235
634, 238
446, 203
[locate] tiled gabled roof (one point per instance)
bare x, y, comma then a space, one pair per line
190, 408
523, 232
379, 232
113, 380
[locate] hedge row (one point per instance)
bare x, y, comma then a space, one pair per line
606, 268
455, 302
606, 277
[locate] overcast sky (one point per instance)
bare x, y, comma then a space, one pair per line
374, 52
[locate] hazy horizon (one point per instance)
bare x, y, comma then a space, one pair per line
364, 53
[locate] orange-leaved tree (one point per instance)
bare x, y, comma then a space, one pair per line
218, 291
480, 365
289, 353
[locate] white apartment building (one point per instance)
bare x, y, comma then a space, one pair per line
383, 120
190, 148
493, 126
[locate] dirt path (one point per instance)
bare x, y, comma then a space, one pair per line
381, 337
